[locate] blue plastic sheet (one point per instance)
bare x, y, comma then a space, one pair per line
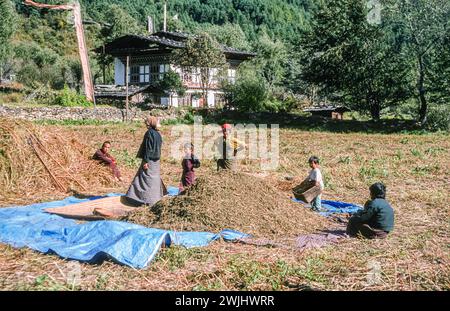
93, 242
335, 207
172, 191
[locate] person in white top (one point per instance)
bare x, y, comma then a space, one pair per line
316, 176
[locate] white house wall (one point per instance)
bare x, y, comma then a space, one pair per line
119, 72
210, 99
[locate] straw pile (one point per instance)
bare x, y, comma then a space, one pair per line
230, 200
34, 162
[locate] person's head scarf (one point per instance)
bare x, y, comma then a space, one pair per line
152, 122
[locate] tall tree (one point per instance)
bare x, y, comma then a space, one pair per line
271, 60
353, 61
228, 34
426, 27
7, 28
201, 56
121, 23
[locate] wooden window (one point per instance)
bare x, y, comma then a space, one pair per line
134, 74
144, 74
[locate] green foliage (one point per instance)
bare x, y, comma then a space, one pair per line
121, 22
227, 34
271, 60
70, 98
425, 29
171, 82
439, 118
249, 94
252, 93
7, 28
358, 63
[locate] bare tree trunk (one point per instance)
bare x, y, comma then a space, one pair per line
375, 108
421, 89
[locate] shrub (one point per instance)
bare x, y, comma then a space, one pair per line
249, 94
438, 118
69, 98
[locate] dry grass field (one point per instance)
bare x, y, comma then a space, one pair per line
415, 256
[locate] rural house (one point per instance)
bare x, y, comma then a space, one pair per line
328, 111
149, 59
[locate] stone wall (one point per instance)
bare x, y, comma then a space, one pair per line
80, 113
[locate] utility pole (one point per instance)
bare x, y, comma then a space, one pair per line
126, 87
150, 25
75, 7
165, 16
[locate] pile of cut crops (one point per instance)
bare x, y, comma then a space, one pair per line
34, 162
229, 200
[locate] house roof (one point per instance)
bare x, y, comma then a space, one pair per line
326, 108
160, 40
120, 92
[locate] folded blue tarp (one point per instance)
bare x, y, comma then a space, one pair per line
172, 191
93, 242
335, 207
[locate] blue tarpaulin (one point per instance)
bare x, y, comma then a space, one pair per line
93, 242
172, 191
335, 207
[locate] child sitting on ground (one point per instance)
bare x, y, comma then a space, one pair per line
315, 177
376, 220
190, 161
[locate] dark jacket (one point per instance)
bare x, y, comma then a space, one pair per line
150, 149
377, 213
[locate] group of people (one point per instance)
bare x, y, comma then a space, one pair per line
147, 187
376, 220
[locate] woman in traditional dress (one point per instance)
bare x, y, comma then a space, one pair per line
147, 187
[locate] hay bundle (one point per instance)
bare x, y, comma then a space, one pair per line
34, 162
230, 200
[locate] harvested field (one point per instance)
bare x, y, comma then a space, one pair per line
234, 201
35, 163
415, 256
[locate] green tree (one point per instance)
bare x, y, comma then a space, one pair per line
271, 60
121, 23
353, 61
228, 34
7, 28
426, 27
201, 56
250, 93
171, 83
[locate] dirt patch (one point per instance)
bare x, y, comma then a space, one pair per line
231, 200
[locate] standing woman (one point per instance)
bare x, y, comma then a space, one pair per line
147, 187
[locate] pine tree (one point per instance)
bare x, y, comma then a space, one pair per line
353, 61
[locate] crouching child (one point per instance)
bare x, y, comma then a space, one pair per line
376, 220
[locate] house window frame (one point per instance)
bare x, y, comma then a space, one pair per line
133, 75
144, 74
